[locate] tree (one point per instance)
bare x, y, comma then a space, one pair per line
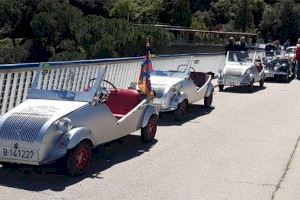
222, 11
176, 12
148, 11
243, 18
200, 5
281, 20
123, 9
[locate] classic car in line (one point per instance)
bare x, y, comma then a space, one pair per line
279, 67
176, 89
290, 52
241, 69
62, 124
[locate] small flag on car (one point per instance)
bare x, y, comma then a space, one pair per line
144, 83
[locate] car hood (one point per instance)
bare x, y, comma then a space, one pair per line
164, 81
51, 109
236, 69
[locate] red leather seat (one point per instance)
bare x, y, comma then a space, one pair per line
199, 78
122, 101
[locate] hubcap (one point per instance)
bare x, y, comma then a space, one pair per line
81, 158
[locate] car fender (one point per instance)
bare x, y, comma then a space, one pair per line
210, 90
179, 98
76, 135
148, 113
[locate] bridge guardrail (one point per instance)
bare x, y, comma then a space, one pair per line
15, 79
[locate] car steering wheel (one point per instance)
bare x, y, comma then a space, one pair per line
186, 66
106, 81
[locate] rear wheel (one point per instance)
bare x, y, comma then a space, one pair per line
79, 159
221, 87
180, 112
208, 100
285, 78
149, 131
251, 87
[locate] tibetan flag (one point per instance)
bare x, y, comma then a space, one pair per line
144, 83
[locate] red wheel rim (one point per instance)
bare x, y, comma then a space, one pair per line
82, 158
152, 128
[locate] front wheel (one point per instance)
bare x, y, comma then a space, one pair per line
79, 159
262, 82
251, 87
221, 87
208, 100
149, 131
286, 78
180, 112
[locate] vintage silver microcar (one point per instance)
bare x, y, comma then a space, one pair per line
65, 120
242, 68
175, 89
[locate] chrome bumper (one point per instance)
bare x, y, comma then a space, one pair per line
233, 82
272, 74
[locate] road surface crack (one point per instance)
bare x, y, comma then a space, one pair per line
278, 186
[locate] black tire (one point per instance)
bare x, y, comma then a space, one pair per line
7, 165
79, 159
180, 112
262, 82
149, 131
208, 100
251, 87
285, 78
221, 87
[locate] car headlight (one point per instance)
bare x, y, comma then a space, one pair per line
64, 125
177, 88
277, 66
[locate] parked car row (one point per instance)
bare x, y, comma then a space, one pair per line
247, 68
60, 124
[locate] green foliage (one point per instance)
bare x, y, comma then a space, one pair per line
12, 52
87, 29
123, 9
281, 20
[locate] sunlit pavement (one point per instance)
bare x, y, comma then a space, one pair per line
245, 147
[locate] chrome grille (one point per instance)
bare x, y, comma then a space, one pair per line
22, 126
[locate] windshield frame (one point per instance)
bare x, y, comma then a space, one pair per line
64, 95
236, 60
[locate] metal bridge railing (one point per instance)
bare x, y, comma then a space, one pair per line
16, 79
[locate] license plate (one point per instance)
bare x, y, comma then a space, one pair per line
232, 82
18, 154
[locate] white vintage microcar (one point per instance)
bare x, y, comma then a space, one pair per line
59, 122
242, 68
175, 89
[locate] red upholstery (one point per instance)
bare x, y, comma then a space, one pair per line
199, 78
122, 101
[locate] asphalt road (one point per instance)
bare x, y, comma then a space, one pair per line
245, 147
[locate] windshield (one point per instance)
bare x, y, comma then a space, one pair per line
67, 83
179, 71
241, 56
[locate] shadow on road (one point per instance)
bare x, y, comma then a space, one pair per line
278, 81
39, 178
194, 111
243, 90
